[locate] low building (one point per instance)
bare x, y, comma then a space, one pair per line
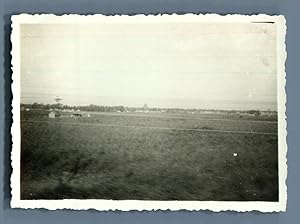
51, 115
77, 115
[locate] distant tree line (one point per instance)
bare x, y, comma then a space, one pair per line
40, 106
100, 108
120, 108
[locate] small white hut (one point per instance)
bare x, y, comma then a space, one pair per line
51, 114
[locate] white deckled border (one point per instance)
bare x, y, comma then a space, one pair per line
127, 205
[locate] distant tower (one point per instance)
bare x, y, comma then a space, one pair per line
145, 107
58, 101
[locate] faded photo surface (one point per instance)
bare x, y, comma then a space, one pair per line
138, 109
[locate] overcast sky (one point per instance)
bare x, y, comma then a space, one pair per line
186, 65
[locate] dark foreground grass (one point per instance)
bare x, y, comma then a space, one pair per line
72, 161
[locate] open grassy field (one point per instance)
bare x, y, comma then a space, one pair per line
148, 157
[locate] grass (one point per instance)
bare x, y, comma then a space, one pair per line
79, 161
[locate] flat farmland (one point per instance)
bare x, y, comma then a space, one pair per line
149, 157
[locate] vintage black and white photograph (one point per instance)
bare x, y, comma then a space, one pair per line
149, 112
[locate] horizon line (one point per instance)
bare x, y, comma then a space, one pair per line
141, 107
